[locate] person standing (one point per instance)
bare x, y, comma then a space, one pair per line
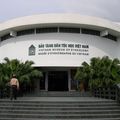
14, 83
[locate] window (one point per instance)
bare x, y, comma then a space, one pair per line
61, 30
69, 30
47, 30
90, 32
112, 37
25, 32
7, 36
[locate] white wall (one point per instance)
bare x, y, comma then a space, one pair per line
18, 48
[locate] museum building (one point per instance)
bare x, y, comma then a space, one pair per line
58, 44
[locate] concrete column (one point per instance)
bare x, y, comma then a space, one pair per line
69, 80
46, 81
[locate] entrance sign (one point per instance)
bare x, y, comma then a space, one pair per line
63, 49
58, 53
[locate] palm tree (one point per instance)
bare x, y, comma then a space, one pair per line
83, 75
23, 70
115, 71
102, 72
106, 72
2, 84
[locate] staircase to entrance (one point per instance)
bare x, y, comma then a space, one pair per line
60, 94
59, 108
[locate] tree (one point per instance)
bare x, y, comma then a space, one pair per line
105, 72
83, 75
102, 72
23, 70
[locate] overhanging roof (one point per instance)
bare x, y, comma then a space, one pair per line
71, 20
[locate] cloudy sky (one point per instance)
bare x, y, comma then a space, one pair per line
108, 9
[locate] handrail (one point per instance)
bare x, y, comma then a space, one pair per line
108, 93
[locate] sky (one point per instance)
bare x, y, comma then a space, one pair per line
107, 9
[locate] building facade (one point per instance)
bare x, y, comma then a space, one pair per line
58, 44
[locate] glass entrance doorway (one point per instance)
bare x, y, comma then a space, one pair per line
57, 81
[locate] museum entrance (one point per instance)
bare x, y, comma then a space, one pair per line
57, 81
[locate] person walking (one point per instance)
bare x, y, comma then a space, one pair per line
14, 83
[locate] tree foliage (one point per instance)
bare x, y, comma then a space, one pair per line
23, 70
101, 72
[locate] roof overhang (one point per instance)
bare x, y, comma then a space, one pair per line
50, 20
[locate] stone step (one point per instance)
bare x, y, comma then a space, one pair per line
59, 100
59, 119
58, 105
59, 108
55, 116
56, 102
60, 111
60, 94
